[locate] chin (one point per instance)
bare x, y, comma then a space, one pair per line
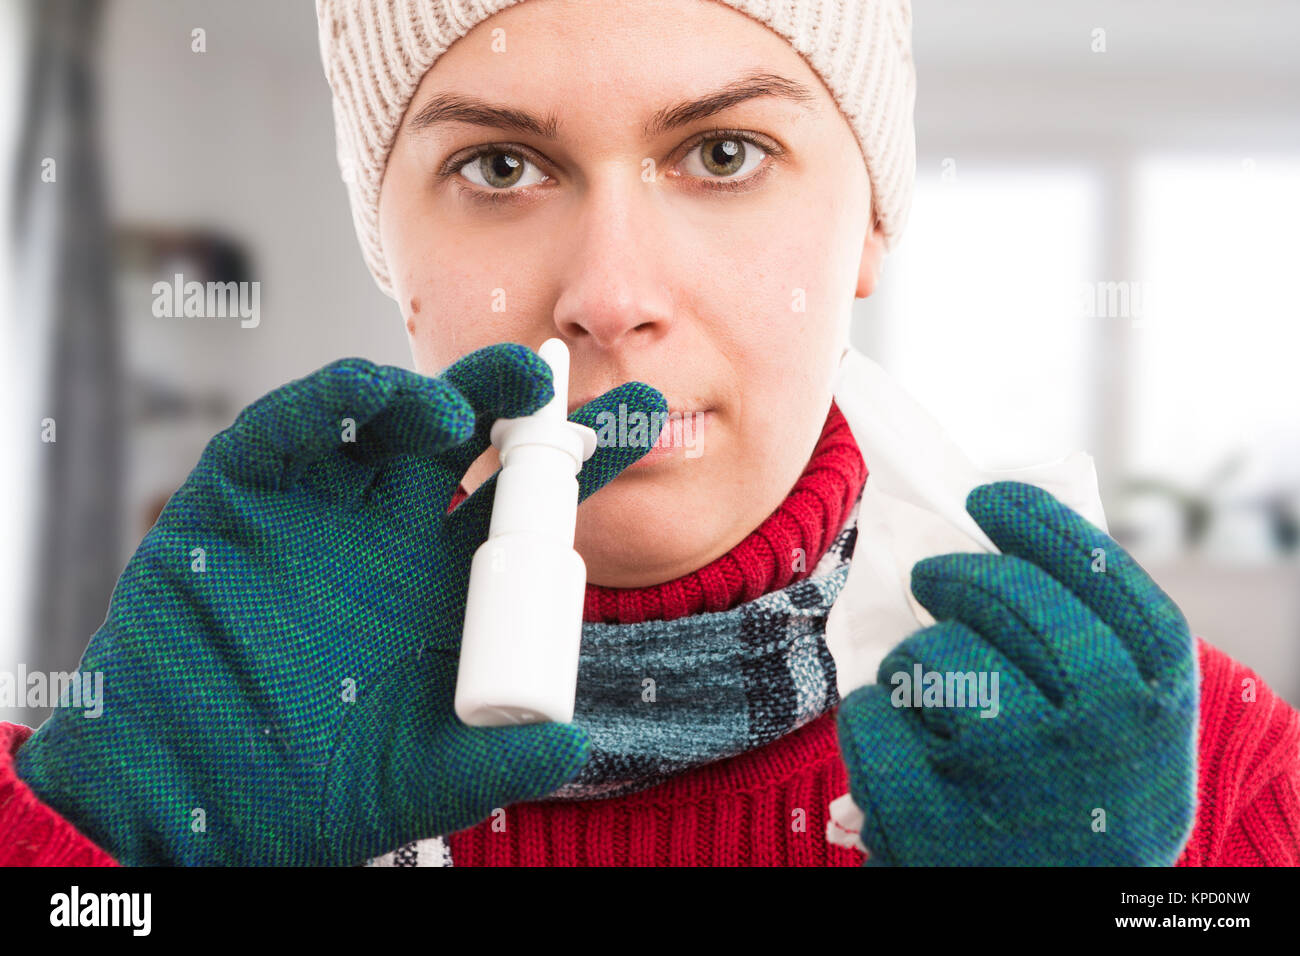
644, 527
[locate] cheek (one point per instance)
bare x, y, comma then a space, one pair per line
448, 309
784, 396
793, 271
785, 338
435, 290
783, 309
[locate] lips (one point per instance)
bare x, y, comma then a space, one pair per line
674, 411
682, 437
682, 433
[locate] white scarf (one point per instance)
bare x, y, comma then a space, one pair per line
913, 506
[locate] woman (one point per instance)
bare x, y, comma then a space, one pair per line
691, 194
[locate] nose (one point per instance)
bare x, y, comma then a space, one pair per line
616, 292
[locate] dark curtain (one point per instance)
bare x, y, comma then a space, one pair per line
65, 294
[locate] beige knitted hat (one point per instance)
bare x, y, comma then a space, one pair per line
376, 52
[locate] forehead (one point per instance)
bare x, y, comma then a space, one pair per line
610, 53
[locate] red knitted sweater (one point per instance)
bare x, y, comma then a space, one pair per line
770, 805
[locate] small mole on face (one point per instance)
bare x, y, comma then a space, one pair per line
410, 319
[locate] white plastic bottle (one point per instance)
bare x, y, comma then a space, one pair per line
523, 614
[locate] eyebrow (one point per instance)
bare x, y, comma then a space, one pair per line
457, 108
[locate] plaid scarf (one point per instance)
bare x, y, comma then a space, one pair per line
661, 697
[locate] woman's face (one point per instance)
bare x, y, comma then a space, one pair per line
607, 211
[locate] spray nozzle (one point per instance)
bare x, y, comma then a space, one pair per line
549, 425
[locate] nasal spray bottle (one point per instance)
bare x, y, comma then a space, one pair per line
523, 614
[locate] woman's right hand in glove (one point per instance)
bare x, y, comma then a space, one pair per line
279, 656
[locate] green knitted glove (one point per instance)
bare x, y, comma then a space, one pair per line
280, 654
1091, 756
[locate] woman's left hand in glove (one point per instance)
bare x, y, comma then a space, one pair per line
1083, 748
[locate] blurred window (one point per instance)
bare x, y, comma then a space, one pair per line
1215, 364
980, 319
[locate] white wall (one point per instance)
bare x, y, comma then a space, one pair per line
242, 138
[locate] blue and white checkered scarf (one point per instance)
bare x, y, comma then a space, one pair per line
661, 697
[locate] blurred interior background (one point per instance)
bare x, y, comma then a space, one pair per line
1101, 256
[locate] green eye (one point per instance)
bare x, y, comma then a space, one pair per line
727, 157
498, 169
